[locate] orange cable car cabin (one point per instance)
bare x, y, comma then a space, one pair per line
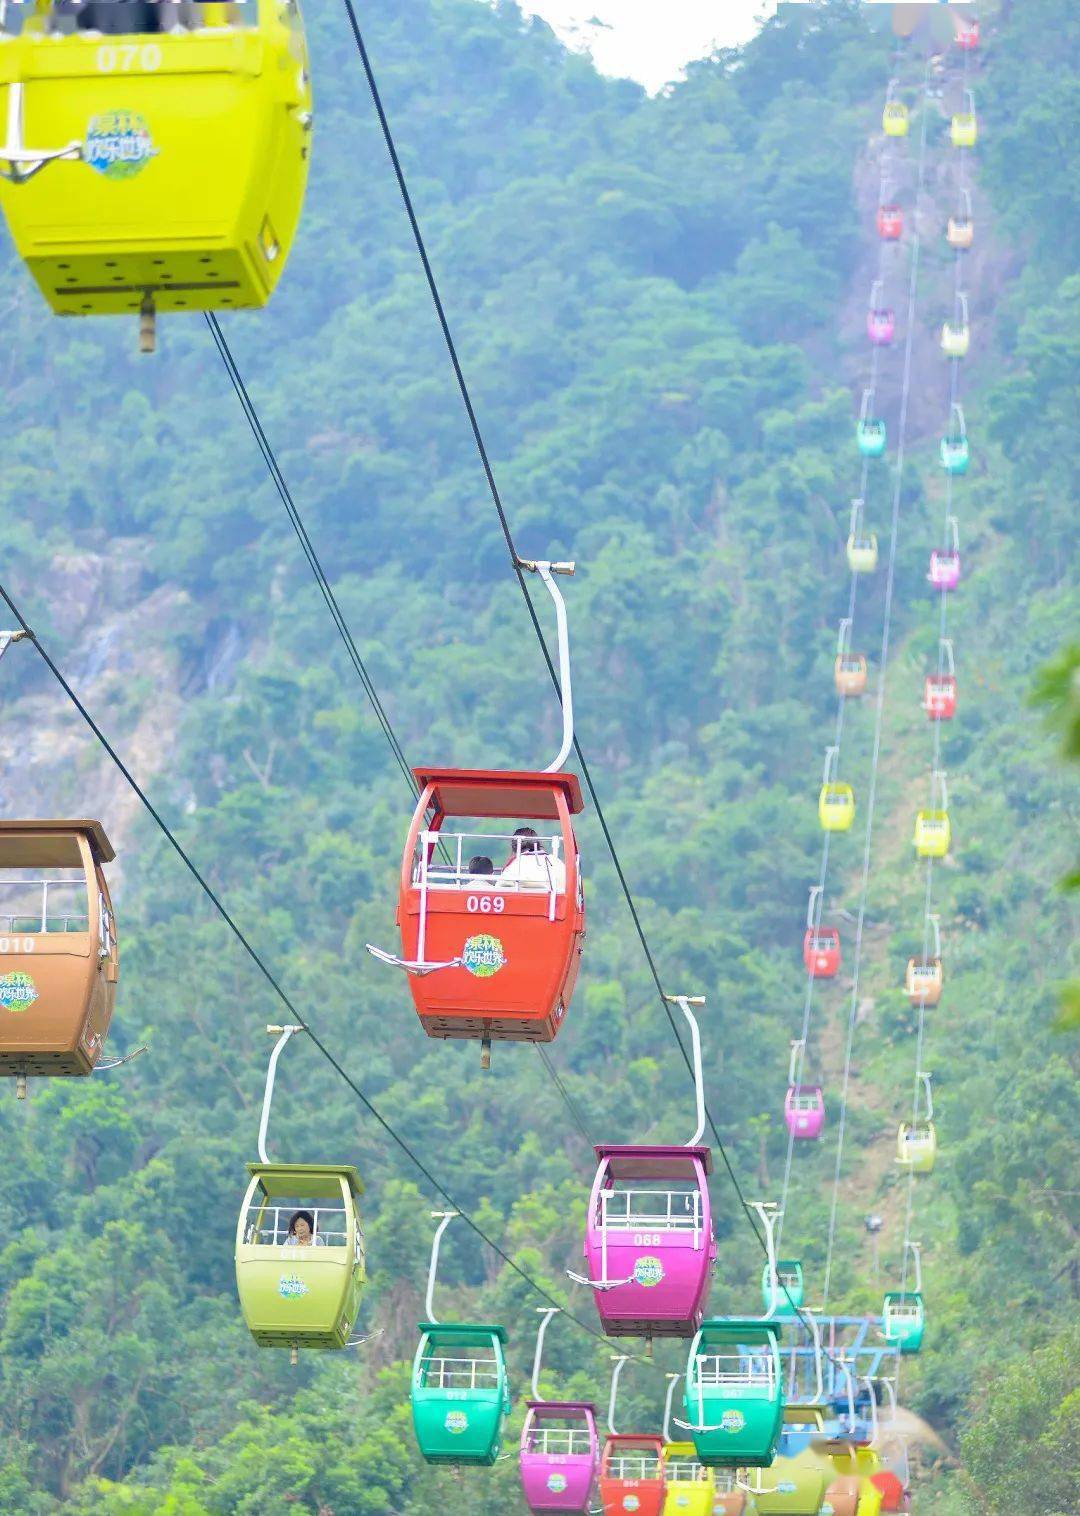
59, 961
492, 921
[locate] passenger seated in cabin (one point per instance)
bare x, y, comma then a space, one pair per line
301, 1232
530, 866
115, 18
132, 17
481, 872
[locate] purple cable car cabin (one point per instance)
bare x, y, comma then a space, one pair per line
944, 570
880, 326
560, 1456
649, 1239
804, 1111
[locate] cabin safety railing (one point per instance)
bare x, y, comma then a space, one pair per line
459, 1374
559, 1442
35, 917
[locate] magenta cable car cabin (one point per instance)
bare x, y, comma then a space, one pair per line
560, 1456
649, 1245
804, 1111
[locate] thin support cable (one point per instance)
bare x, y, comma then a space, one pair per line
310, 554
269, 977
232, 368
879, 714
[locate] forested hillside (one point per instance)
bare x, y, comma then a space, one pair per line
659, 305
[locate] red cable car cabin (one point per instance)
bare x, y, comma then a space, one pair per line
492, 955
632, 1475
821, 952
890, 222
939, 697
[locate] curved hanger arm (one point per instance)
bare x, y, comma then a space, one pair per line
770, 1215
793, 1059
547, 570
684, 1002
673, 1380
620, 1364
283, 1034
546, 1314
445, 1218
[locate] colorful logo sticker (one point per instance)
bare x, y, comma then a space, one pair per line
17, 991
483, 955
291, 1287
648, 1272
733, 1421
556, 1483
456, 1421
787, 1487
118, 144
681, 1502
631, 1503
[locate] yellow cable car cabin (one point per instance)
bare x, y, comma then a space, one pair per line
862, 553
933, 833
59, 961
300, 1268
896, 119
157, 168
836, 806
917, 1146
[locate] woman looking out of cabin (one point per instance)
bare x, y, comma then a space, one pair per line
302, 1231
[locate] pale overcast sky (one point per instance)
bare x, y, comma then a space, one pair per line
650, 40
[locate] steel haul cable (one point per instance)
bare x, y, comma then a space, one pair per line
232, 368
913, 286
516, 563
928, 901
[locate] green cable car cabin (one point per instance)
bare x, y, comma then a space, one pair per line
785, 1298
300, 1254
904, 1319
735, 1392
460, 1392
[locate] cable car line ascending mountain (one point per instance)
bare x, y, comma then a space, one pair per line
518, 565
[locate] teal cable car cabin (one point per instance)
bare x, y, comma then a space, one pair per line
460, 1392
735, 1392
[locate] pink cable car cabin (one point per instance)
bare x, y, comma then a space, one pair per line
890, 223
821, 952
492, 954
649, 1245
944, 572
804, 1111
560, 1456
880, 326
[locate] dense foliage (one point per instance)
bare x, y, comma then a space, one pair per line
651, 300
